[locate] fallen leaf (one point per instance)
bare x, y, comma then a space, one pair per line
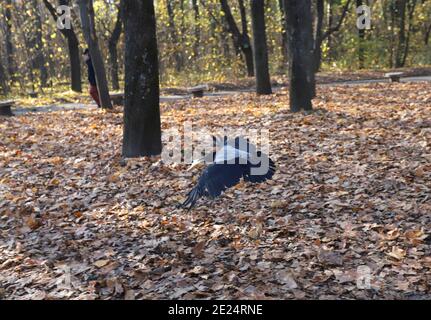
397, 253
101, 263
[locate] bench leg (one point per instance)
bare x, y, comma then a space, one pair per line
6, 111
198, 94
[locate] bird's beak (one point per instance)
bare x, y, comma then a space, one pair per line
196, 163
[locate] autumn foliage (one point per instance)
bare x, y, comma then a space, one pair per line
352, 189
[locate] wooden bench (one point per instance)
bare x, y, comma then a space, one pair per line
198, 91
5, 108
394, 76
117, 98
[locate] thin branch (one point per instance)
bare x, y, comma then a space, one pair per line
337, 27
209, 12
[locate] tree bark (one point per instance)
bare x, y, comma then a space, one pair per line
317, 48
400, 13
174, 36
427, 34
284, 48
300, 35
142, 129
38, 60
330, 21
72, 46
411, 5
3, 80
241, 41
402, 10
113, 53
246, 39
9, 46
197, 29
263, 81
361, 38
88, 27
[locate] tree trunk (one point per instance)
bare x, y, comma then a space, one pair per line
197, 28
361, 38
330, 22
3, 80
72, 46
88, 27
243, 14
26, 67
113, 53
284, 48
411, 5
9, 45
223, 39
74, 61
241, 41
300, 35
248, 51
183, 27
317, 47
263, 81
400, 13
427, 34
174, 37
38, 60
142, 129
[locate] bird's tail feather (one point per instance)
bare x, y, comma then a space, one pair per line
192, 197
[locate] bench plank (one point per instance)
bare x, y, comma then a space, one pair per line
198, 91
394, 76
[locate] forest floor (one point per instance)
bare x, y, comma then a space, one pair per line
349, 205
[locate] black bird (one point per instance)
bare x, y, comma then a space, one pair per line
235, 159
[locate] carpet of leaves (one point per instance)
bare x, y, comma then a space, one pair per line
352, 190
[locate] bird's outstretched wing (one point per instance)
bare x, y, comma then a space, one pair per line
215, 179
258, 178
